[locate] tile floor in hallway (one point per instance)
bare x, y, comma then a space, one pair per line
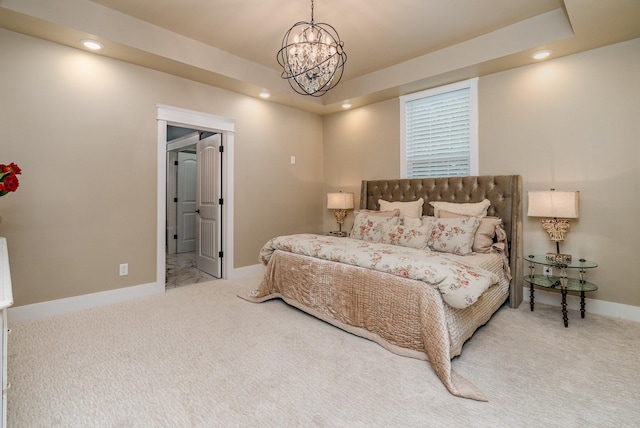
182, 270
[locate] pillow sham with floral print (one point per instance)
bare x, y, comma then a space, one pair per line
454, 235
369, 227
406, 236
411, 221
484, 237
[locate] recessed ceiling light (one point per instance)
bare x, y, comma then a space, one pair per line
264, 94
346, 106
541, 54
91, 44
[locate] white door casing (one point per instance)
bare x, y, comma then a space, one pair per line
186, 204
208, 197
176, 116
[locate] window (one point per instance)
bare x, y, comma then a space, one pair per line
439, 131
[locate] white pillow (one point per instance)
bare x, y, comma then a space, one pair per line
392, 213
478, 209
454, 235
411, 209
369, 227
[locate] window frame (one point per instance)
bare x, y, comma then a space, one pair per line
472, 84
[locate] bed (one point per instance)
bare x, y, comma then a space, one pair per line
412, 301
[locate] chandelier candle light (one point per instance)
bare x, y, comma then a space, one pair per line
312, 57
339, 203
559, 207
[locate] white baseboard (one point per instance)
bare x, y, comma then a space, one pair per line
78, 303
246, 271
600, 307
87, 301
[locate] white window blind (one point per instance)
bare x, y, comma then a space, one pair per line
439, 138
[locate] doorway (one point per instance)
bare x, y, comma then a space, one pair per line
191, 244
214, 143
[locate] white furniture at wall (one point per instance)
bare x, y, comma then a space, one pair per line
6, 300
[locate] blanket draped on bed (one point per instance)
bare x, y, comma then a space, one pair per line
461, 284
404, 315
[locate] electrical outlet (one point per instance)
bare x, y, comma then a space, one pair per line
124, 269
548, 270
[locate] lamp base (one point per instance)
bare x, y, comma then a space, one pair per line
338, 233
556, 229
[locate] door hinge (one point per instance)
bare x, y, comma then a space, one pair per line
175, 163
221, 201
221, 149
175, 199
220, 254
175, 236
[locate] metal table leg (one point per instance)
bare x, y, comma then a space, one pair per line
565, 317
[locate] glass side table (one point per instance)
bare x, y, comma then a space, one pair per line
561, 282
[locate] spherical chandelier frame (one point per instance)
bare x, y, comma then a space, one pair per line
312, 57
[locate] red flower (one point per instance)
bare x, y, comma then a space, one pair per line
15, 168
8, 178
10, 183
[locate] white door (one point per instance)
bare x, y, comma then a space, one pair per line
208, 200
186, 204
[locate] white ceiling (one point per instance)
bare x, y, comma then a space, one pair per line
393, 47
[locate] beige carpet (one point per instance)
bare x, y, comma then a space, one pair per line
198, 356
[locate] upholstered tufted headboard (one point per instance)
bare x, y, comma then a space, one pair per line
504, 192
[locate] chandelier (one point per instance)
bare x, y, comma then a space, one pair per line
312, 57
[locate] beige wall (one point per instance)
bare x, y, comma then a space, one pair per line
83, 129
361, 144
571, 123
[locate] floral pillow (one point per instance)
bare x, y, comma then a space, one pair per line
483, 241
410, 221
454, 235
428, 220
406, 236
370, 227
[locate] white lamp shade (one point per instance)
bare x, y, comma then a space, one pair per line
553, 204
340, 201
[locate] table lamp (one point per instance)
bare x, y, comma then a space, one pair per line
339, 203
558, 207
